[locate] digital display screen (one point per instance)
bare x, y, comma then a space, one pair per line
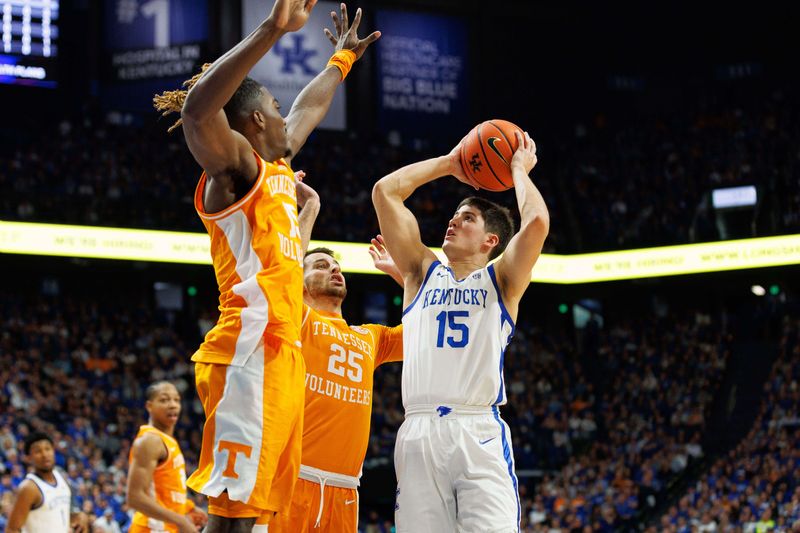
29, 45
734, 197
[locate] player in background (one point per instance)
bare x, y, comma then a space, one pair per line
249, 370
44, 498
157, 472
453, 456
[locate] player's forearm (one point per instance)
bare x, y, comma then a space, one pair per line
531, 204
402, 183
306, 219
311, 106
210, 94
149, 507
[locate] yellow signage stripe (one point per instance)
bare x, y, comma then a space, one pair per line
193, 248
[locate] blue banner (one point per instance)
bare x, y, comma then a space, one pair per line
297, 58
148, 39
422, 73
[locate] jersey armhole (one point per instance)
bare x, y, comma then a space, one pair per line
41, 493
422, 285
503, 311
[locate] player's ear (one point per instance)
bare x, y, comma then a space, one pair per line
492, 240
258, 119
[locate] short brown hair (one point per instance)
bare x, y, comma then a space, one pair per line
320, 250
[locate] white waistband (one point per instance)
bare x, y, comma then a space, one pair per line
316, 475
445, 410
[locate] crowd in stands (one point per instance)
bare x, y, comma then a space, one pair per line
755, 486
95, 172
76, 368
616, 180
647, 180
608, 437
656, 378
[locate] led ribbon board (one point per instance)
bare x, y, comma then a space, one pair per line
193, 248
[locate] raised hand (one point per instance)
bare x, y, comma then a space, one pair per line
525, 156
383, 260
291, 15
346, 37
304, 191
454, 161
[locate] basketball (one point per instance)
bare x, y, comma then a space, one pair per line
486, 154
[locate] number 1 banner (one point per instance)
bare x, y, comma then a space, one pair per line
151, 39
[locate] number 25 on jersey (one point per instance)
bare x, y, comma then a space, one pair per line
340, 356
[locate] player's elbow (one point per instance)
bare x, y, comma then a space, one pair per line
539, 224
193, 111
189, 114
379, 192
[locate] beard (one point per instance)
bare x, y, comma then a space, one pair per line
329, 291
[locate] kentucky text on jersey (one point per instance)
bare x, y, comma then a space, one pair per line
454, 296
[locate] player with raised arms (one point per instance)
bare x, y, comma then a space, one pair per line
453, 457
249, 370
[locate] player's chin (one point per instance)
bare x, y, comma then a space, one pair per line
339, 291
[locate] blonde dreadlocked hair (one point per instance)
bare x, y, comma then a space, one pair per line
245, 100
172, 101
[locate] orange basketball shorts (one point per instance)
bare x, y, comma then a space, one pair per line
332, 510
252, 437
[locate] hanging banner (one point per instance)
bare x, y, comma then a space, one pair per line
296, 58
422, 74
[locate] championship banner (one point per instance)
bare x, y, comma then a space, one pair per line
193, 248
149, 39
297, 58
150, 46
422, 74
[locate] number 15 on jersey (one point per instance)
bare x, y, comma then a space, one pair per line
452, 329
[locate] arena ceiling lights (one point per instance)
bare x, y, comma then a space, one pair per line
193, 248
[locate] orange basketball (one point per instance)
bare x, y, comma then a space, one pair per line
486, 154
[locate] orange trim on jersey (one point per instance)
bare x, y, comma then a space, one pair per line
200, 189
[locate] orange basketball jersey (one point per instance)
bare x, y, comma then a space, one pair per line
169, 483
257, 256
340, 360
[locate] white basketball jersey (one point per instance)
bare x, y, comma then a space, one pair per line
454, 336
52, 516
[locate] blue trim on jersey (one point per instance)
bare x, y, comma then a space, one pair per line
509, 460
504, 311
506, 316
502, 381
422, 286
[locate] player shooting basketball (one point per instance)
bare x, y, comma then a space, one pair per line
453, 457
